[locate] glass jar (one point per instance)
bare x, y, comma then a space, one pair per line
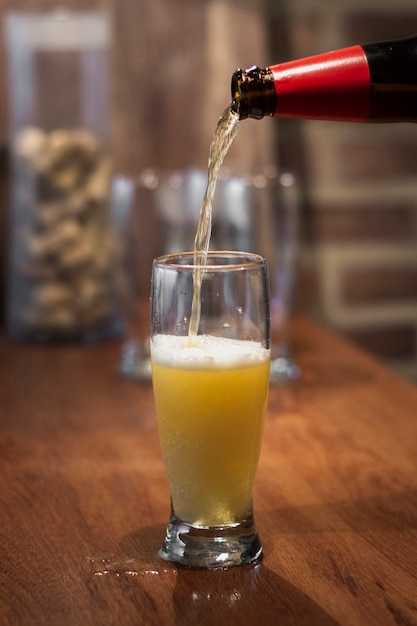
62, 280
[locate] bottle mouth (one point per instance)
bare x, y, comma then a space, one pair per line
253, 93
238, 103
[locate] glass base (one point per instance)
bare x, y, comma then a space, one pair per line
135, 361
110, 329
283, 369
211, 548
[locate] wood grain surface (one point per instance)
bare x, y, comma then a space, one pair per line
84, 498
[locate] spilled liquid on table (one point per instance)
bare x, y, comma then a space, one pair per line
118, 565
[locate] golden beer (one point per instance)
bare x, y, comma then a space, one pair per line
210, 402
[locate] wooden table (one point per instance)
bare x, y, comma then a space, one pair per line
84, 497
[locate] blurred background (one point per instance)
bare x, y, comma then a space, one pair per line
172, 64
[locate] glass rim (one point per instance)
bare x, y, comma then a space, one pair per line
244, 261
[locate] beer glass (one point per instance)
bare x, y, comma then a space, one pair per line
210, 391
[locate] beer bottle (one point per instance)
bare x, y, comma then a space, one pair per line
375, 82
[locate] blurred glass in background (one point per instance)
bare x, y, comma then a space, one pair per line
252, 211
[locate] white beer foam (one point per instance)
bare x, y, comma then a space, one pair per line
205, 351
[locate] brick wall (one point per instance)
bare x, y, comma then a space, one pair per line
359, 254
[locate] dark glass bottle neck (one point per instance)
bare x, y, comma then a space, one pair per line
393, 78
253, 93
376, 82
393, 62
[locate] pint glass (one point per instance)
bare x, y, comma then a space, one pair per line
210, 393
